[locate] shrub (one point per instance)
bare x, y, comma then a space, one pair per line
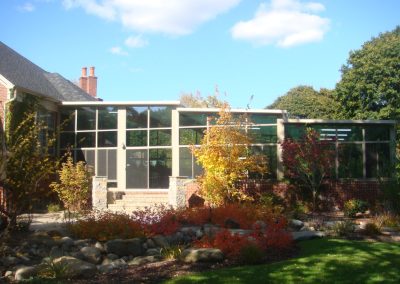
250, 254
53, 207
172, 253
230, 244
343, 229
387, 220
354, 206
105, 226
73, 187
371, 229
271, 201
158, 219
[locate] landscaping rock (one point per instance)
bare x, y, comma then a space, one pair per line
140, 260
25, 272
99, 246
231, 224
91, 254
152, 251
10, 260
112, 256
124, 247
189, 229
76, 267
150, 244
296, 224
56, 252
307, 235
259, 225
240, 232
160, 241
210, 230
202, 255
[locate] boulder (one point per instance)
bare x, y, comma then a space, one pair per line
210, 230
107, 266
112, 256
231, 224
160, 241
259, 225
124, 247
202, 255
140, 260
56, 252
25, 272
91, 254
152, 251
99, 246
307, 235
296, 224
75, 267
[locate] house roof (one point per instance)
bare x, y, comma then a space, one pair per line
26, 75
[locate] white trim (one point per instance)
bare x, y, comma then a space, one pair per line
127, 103
368, 121
6, 83
271, 111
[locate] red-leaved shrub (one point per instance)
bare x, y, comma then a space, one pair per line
104, 226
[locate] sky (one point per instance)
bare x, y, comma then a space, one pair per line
251, 51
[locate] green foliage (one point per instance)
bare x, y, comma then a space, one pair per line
225, 158
370, 84
354, 206
26, 163
343, 229
250, 254
53, 207
172, 253
305, 102
271, 201
391, 195
387, 220
52, 270
73, 187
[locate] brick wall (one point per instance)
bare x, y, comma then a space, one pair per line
334, 193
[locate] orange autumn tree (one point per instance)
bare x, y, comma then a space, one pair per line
226, 158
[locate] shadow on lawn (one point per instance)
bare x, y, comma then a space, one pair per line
321, 261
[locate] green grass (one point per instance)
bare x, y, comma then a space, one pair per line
320, 261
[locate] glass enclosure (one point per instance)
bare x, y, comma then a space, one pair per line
362, 150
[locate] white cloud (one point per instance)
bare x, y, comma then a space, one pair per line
172, 17
27, 7
284, 23
118, 51
136, 41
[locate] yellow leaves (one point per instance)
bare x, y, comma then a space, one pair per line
225, 157
73, 187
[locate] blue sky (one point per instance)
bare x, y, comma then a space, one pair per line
157, 50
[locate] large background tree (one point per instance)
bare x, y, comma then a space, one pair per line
370, 84
305, 102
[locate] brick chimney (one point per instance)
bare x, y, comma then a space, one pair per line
88, 84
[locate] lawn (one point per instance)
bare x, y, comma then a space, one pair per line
320, 261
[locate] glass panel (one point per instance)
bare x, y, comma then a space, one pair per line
191, 136
136, 138
102, 163
271, 154
107, 163
160, 163
136, 117
86, 139
67, 119
47, 118
263, 134
107, 139
185, 162
67, 139
339, 132
160, 137
160, 116
377, 133
136, 168
88, 157
350, 161
112, 164
86, 118
378, 160
108, 117
194, 118
294, 131
260, 118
